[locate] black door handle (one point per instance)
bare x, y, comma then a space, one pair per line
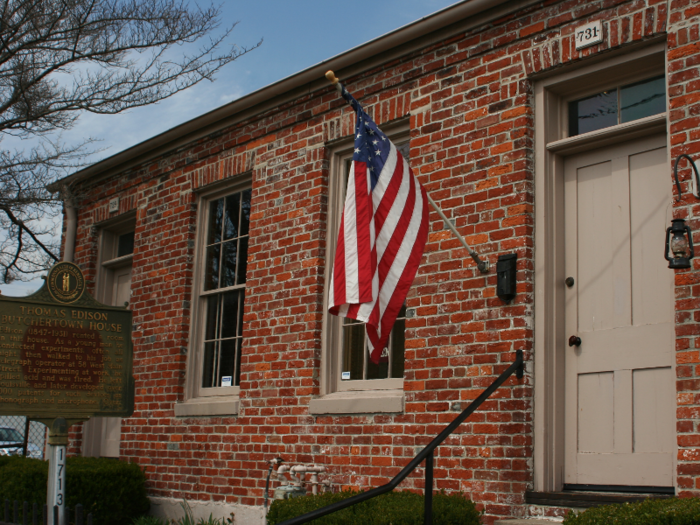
574, 341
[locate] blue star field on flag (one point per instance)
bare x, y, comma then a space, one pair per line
371, 145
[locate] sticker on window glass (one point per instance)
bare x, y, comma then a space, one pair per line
226, 380
345, 375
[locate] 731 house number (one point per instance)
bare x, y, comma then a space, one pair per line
589, 34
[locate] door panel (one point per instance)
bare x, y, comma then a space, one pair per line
596, 413
619, 426
650, 191
122, 287
651, 414
102, 435
112, 426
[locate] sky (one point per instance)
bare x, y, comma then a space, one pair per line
296, 34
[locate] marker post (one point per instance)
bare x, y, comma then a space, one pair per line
73, 355
56, 493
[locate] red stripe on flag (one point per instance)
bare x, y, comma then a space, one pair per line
363, 207
339, 270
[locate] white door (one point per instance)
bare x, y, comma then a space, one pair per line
620, 406
102, 435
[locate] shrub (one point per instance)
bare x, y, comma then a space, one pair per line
23, 479
673, 511
393, 508
112, 490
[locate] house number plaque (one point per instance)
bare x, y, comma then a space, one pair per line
589, 34
64, 354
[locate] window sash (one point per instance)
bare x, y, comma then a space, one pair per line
217, 353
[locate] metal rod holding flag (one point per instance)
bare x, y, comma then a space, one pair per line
482, 265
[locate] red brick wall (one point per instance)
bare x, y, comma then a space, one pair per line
472, 137
684, 120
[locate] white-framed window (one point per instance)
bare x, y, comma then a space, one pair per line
350, 381
218, 300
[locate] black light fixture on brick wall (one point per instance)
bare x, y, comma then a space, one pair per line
679, 237
506, 273
681, 246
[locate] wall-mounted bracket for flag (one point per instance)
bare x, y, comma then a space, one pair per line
482, 265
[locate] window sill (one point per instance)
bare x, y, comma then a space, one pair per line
207, 406
362, 402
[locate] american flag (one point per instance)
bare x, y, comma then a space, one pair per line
382, 234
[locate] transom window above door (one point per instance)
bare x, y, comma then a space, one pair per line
617, 105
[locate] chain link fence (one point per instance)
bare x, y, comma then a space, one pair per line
13, 430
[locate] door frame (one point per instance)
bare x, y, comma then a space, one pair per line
551, 147
108, 232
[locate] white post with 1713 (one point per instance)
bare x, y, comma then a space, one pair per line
56, 493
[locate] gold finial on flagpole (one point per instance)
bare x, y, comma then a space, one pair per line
334, 80
331, 77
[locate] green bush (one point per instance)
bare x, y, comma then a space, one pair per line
113, 491
673, 511
393, 508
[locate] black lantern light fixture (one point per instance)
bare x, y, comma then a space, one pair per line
679, 238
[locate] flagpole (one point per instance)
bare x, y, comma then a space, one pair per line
482, 265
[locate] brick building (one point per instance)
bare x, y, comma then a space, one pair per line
219, 233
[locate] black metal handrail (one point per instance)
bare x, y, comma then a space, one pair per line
426, 454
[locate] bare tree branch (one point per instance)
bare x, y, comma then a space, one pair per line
59, 58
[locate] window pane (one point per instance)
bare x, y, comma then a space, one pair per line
209, 365
245, 212
398, 345
125, 246
228, 261
228, 360
231, 219
229, 320
353, 349
643, 99
216, 212
381, 370
211, 272
212, 318
242, 260
592, 113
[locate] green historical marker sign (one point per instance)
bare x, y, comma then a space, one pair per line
62, 353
